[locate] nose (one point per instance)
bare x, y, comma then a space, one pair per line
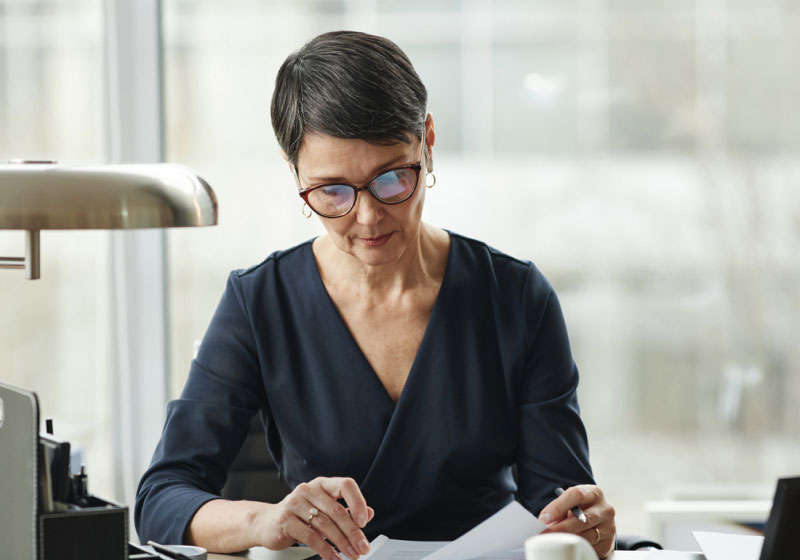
367, 209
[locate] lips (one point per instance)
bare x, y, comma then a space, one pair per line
375, 241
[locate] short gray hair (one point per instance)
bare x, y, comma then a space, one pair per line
349, 85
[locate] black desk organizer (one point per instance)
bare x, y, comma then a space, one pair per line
90, 529
97, 530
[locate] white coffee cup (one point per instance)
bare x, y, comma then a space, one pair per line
558, 546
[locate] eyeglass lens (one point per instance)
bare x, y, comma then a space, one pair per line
391, 187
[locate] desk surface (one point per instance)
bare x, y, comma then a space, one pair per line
298, 553
261, 553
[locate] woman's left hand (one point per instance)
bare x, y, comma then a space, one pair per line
600, 529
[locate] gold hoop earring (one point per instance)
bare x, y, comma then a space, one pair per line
430, 174
303, 210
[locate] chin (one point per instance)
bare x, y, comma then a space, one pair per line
376, 256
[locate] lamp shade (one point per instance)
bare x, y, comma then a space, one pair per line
36, 196
43, 195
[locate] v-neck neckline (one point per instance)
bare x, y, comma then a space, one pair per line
354, 344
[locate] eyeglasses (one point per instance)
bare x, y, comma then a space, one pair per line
394, 186
390, 187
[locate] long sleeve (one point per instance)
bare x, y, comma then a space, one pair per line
553, 449
493, 384
205, 427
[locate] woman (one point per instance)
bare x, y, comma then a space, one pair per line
401, 370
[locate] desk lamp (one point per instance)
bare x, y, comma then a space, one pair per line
37, 195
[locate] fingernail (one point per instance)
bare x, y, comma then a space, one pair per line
546, 518
362, 519
363, 546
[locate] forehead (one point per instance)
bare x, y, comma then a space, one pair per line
322, 157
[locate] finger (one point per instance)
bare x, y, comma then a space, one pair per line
308, 536
600, 515
593, 536
345, 534
559, 509
573, 525
601, 522
347, 489
322, 493
308, 502
602, 540
370, 513
328, 529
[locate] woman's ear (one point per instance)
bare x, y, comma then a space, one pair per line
285, 157
430, 140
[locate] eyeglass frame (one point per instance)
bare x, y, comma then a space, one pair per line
417, 167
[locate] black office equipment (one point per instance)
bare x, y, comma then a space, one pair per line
780, 536
39, 519
56, 459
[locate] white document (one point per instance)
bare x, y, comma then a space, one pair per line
506, 530
501, 537
674, 555
384, 548
727, 546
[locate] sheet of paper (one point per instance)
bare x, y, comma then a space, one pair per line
727, 546
513, 554
384, 548
506, 530
674, 555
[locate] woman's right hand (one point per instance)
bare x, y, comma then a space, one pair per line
293, 519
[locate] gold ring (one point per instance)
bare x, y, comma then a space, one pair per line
597, 539
312, 513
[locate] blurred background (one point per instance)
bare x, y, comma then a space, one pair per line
643, 153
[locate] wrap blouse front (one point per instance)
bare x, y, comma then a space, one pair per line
493, 384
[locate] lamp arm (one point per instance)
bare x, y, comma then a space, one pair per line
30, 262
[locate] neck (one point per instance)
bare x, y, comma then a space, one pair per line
422, 262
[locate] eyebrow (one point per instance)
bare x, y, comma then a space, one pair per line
385, 167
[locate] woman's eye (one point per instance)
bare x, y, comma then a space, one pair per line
333, 191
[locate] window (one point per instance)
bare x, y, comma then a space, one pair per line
56, 331
645, 151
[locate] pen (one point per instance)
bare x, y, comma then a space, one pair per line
135, 551
576, 511
167, 551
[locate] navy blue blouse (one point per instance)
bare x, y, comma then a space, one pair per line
493, 384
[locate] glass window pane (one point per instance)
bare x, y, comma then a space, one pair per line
636, 151
656, 93
534, 98
56, 331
